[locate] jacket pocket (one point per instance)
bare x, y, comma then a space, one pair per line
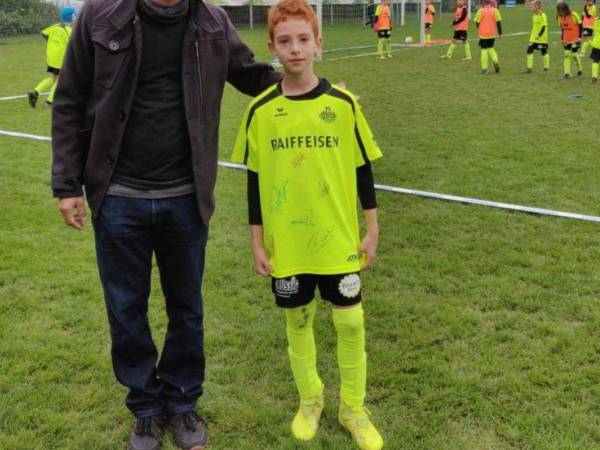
112, 48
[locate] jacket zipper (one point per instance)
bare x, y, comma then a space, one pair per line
199, 73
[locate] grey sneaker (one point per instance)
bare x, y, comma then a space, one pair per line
145, 435
189, 430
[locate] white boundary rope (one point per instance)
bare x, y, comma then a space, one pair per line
14, 97
383, 187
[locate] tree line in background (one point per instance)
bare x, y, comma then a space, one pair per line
25, 16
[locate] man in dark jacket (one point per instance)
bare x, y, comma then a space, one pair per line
135, 123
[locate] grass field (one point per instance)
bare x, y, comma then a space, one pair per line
483, 326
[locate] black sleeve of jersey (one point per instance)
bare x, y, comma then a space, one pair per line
254, 214
542, 31
580, 30
462, 17
499, 24
366, 187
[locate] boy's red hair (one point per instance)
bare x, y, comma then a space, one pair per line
286, 9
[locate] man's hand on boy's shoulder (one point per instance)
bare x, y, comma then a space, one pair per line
342, 84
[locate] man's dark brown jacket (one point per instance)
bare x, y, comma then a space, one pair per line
97, 83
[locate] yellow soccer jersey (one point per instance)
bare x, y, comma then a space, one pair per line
539, 21
306, 150
596, 37
58, 37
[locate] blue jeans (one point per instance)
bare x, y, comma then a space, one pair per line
128, 231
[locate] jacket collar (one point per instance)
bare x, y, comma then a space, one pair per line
124, 11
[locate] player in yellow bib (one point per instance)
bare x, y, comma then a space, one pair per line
308, 150
57, 36
538, 40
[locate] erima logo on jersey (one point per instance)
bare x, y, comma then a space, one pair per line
291, 142
287, 288
352, 258
327, 115
280, 112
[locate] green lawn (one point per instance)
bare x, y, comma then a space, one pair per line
483, 326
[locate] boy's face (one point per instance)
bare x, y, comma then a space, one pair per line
460, 2
295, 45
537, 7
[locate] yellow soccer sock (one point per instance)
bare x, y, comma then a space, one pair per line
530, 60
380, 46
546, 59
427, 37
493, 55
388, 46
595, 70
585, 46
451, 50
567, 62
50, 97
484, 58
352, 359
45, 85
468, 50
302, 350
577, 59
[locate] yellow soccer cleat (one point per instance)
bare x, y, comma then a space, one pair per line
306, 421
356, 421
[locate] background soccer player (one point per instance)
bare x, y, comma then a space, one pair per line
429, 13
461, 26
57, 36
383, 28
538, 40
590, 12
595, 55
308, 149
488, 22
570, 24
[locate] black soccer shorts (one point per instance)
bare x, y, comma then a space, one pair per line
460, 35
299, 290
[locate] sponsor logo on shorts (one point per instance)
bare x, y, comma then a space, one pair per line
287, 287
349, 286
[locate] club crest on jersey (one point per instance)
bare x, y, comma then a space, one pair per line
287, 288
328, 115
349, 286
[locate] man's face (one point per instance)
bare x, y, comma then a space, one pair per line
295, 45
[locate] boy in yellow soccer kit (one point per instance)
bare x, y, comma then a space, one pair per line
58, 36
595, 55
383, 28
590, 13
538, 40
488, 22
308, 150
